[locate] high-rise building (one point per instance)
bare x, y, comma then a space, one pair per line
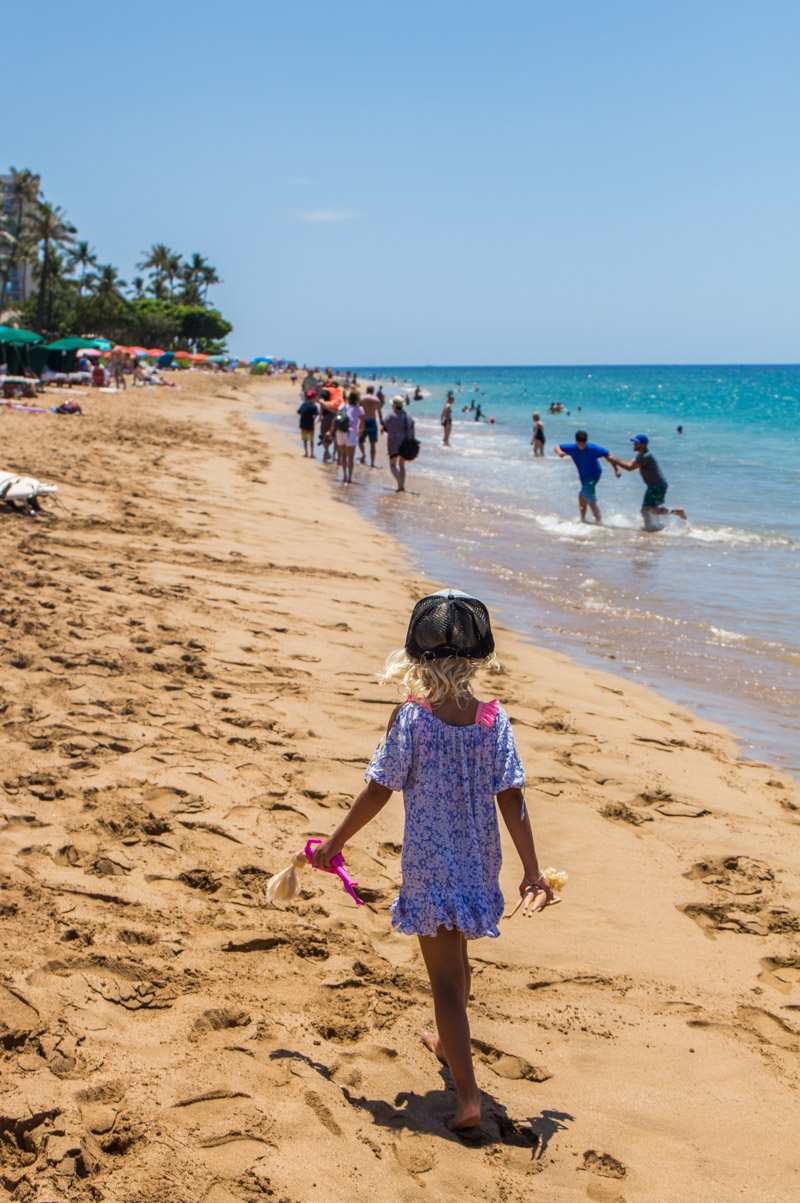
20, 280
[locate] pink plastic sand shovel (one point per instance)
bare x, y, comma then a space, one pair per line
337, 867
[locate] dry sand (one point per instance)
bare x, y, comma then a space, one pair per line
187, 664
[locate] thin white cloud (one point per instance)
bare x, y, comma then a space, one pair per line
331, 215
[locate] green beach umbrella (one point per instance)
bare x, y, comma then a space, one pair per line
21, 337
72, 343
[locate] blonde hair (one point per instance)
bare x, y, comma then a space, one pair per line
434, 680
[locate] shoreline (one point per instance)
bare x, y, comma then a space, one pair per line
610, 598
189, 657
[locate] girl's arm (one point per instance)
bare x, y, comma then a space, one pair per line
510, 803
367, 805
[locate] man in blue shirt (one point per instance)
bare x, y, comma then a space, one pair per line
586, 456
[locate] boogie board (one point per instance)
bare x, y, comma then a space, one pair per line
22, 488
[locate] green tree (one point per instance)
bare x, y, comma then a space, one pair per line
172, 268
137, 284
209, 277
155, 262
84, 258
190, 293
22, 193
49, 230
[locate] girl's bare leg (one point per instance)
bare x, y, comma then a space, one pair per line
445, 957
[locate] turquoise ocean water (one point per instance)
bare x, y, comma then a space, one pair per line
709, 614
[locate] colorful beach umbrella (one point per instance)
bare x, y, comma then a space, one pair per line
155, 351
182, 355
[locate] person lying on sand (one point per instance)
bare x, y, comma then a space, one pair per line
452, 756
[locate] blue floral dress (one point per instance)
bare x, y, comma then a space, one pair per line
451, 844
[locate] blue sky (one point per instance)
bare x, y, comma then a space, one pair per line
436, 183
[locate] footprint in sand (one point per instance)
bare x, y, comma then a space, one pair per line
782, 973
508, 1065
754, 1023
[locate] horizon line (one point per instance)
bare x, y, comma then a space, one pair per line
484, 366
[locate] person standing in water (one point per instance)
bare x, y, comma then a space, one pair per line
654, 479
399, 427
447, 420
373, 414
457, 763
586, 457
537, 442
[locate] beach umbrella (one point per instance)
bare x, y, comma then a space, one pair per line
73, 343
92, 353
263, 359
243, 362
21, 337
165, 359
182, 355
218, 359
199, 357
139, 350
155, 352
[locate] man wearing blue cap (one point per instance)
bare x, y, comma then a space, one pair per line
654, 479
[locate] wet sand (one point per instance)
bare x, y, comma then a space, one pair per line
187, 662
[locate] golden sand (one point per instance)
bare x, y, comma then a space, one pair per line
187, 662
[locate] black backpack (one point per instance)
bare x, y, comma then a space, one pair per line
341, 423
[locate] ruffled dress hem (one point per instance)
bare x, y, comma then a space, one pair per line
412, 920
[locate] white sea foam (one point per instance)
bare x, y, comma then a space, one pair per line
726, 636
565, 528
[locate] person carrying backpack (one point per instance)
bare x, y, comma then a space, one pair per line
348, 425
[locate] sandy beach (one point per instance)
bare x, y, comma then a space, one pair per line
188, 654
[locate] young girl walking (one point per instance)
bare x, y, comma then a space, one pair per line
452, 756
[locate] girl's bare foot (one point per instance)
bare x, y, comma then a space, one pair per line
433, 1042
468, 1115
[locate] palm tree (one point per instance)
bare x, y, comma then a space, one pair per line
137, 284
48, 228
209, 277
83, 258
109, 288
172, 269
190, 290
155, 261
22, 192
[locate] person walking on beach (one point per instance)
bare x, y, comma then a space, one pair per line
327, 414
348, 426
537, 441
452, 756
447, 420
308, 411
116, 368
373, 414
586, 456
654, 479
399, 427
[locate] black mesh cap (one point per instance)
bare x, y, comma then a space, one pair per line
449, 624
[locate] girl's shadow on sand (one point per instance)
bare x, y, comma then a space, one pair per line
427, 1113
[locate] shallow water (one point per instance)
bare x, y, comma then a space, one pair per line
710, 613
